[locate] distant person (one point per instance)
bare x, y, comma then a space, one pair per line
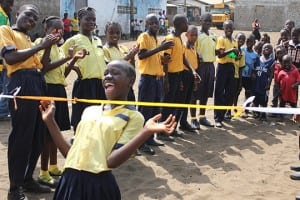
289, 25
5, 10
262, 80
206, 48
75, 24
67, 27
227, 51
294, 47
255, 29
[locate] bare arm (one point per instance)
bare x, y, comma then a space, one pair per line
145, 53
119, 156
13, 57
48, 111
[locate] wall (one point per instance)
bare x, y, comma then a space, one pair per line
271, 13
45, 10
109, 12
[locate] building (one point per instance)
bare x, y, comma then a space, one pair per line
271, 13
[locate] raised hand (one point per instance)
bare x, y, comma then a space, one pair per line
166, 126
47, 109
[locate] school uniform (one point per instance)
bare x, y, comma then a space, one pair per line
175, 69
4, 112
224, 77
150, 86
86, 174
113, 53
28, 131
239, 63
56, 84
206, 47
92, 69
187, 82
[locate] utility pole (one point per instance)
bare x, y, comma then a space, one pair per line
131, 9
184, 5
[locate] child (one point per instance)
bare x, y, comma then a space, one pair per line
289, 25
265, 38
206, 48
114, 51
284, 38
173, 72
258, 47
262, 79
289, 79
251, 60
238, 65
226, 53
187, 76
28, 132
294, 47
150, 87
55, 71
5, 11
277, 67
89, 86
91, 158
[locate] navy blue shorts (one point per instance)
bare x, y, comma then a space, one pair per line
79, 185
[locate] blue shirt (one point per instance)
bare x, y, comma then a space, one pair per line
251, 60
262, 75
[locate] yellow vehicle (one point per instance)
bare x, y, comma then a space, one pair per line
220, 12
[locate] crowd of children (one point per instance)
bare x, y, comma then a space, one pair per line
173, 71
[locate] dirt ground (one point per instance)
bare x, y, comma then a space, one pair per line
247, 159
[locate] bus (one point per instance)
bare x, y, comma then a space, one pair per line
220, 13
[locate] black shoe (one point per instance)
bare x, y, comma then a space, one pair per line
203, 121
295, 168
195, 124
164, 137
219, 125
177, 134
16, 194
34, 187
147, 149
186, 127
153, 142
295, 176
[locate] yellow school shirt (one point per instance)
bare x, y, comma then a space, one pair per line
92, 65
191, 56
57, 75
206, 47
4, 20
75, 24
15, 40
239, 64
152, 64
176, 53
98, 132
114, 53
225, 43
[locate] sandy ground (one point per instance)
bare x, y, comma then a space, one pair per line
246, 160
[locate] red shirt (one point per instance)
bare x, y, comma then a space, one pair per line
67, 24
277, 69
286, 80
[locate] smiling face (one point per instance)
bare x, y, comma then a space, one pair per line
88, 22
27, 17
287, 62
113, 33
119, 76
55, 27
152, 24
228, 28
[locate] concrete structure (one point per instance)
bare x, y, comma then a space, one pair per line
271, 13
119, 11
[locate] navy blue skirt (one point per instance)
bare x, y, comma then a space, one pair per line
82, 185
85, 89
62, 111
